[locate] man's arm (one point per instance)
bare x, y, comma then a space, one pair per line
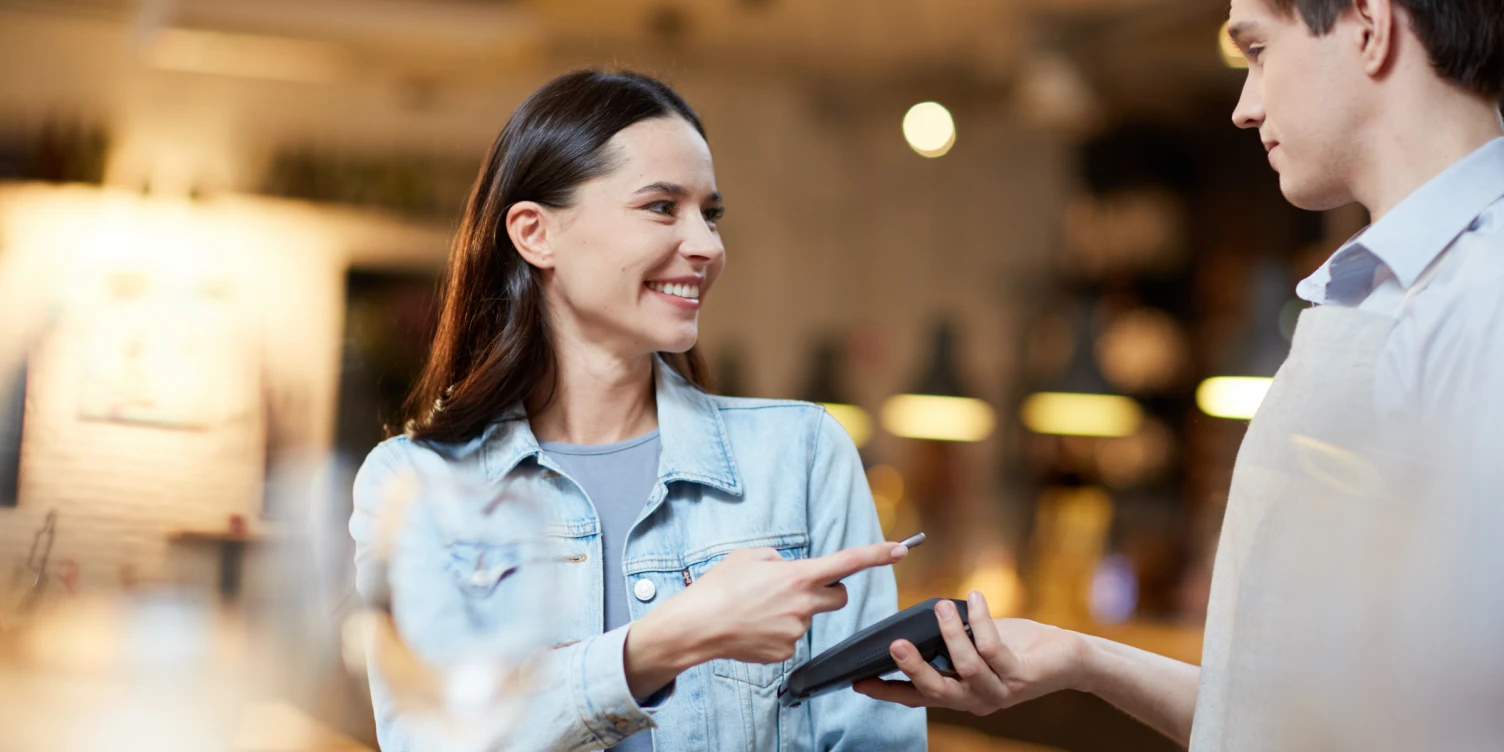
1158, 691
1017, 660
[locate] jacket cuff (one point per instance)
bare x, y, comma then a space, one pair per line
605, 704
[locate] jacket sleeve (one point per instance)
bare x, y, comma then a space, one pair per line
842, 515
579, 700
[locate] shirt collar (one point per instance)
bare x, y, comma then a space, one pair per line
692, 436
1415, 232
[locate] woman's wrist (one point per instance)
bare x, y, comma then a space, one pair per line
659, 647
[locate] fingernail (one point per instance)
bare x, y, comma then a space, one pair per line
946, 610
899, 650
900, 551
974, 599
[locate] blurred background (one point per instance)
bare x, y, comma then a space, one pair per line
1016, 246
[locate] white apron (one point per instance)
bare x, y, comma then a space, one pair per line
1312, 514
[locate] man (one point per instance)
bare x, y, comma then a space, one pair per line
1393, 104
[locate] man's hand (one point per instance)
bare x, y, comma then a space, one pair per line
1012, 661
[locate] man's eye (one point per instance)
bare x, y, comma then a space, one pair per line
1253, 53
665, 208
714, 215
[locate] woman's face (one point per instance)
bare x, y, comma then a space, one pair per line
635, 255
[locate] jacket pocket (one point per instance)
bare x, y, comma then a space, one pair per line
790, 547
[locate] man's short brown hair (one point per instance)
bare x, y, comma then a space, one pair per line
1465, 38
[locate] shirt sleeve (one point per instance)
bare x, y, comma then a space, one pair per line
842, 515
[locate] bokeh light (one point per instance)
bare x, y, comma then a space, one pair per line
929, 129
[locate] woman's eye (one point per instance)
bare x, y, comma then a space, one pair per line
666, 208
714, 215
1253, 54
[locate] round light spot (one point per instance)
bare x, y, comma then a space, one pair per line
929, 129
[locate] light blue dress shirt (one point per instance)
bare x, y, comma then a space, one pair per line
1444, 362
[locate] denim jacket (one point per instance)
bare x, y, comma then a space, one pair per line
733, 473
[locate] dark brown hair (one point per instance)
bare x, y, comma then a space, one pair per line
1465, 38
492, 348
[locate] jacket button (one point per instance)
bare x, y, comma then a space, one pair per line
644, 590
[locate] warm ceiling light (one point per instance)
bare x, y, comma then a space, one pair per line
1231, 55
247, 56
1236, 397
928, 416
852, 418
929, 129
1066, 414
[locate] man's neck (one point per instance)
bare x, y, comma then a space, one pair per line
599, 397
1415, 143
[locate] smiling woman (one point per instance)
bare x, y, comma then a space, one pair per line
690, 529
492, 350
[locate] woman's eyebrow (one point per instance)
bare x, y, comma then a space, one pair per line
674, 189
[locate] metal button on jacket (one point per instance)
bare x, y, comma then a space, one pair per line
644, 590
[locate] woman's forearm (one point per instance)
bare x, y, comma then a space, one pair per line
1158, 691
659, 647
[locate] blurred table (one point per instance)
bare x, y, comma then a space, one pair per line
280, 727
157, 671
232, 546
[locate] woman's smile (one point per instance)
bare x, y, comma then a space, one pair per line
682, 292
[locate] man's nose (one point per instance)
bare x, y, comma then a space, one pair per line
1250, 110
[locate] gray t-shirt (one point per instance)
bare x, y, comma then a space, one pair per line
618, 479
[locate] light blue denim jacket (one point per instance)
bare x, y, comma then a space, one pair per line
733, 473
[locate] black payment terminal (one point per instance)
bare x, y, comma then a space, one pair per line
864, 655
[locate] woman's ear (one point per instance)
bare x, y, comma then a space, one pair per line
528, 225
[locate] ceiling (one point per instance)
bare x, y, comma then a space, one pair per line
1129, 47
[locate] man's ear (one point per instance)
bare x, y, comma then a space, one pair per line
529, 225
1376, 33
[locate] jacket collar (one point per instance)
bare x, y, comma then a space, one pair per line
695, 447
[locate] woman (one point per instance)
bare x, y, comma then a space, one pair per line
699, 537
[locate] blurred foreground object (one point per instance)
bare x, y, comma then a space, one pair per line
467, 685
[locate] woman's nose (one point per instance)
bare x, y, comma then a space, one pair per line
703, 244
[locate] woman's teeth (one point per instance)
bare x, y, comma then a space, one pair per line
679, 291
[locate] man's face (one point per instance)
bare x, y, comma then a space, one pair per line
1304, 94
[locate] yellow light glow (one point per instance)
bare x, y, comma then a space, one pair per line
1236, 397
247, 56
996, 579
923, 416
1065, 414
852, 418
929, 129
1231, 55
886, 484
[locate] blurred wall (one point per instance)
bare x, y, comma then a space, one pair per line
834, 225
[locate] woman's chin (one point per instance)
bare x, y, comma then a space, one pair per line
680, 342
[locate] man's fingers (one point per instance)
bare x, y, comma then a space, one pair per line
984, 633
900, 692
926, 679
962, 654
832, 567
